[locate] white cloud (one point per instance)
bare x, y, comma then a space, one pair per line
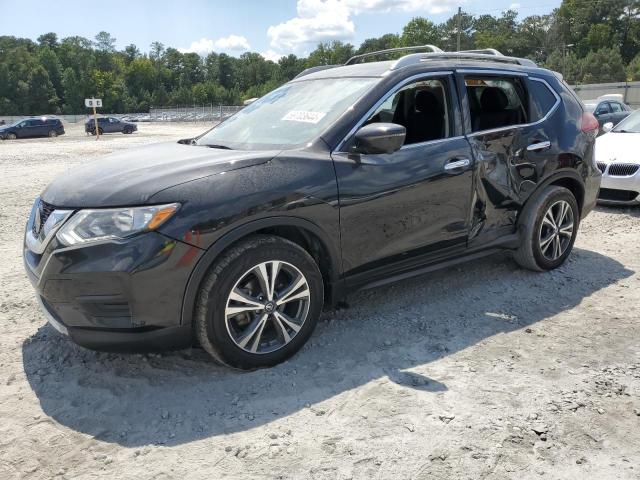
317, 21
271, 55
384, 6
204, 46
514, 6
328, 20
233, 42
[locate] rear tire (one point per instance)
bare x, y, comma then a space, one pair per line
247, 317
53, 133
548, 226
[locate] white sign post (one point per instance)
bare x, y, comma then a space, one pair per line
94, 103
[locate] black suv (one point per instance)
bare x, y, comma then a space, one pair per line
32, 127
346, 177
109, 125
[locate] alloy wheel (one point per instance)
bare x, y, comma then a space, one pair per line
556, 230
267, 307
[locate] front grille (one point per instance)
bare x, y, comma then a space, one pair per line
617, 195
622, 169
602, 166
45, 210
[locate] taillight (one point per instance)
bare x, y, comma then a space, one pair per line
589, 123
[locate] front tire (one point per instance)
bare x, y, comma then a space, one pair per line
259, 303
548, 226
11, 136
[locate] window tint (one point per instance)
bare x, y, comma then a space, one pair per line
541, 99
421, 107
615, 107
496, 102
603, 108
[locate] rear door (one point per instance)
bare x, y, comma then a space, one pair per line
398, 210
511, 143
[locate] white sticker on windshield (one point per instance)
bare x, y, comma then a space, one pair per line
302, 116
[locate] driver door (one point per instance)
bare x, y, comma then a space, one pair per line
399, 210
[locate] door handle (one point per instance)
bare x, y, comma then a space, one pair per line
456, 164
535, 147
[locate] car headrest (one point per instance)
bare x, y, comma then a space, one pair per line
426, 101
493, 99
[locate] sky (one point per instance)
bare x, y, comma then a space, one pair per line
270, 27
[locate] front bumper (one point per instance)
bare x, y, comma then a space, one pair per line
124, 295
619, 190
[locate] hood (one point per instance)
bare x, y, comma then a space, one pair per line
618, 147
133, 176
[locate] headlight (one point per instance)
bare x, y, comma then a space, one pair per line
109, 224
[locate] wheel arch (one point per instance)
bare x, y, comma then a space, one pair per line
568, 179
298, 230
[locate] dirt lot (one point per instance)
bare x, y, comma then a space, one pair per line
481, 371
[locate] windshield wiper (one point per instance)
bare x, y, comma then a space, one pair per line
223, 147
624, 131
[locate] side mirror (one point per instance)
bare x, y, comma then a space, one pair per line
380, 138
607, 127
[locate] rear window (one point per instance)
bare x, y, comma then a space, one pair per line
542, 99
496, 102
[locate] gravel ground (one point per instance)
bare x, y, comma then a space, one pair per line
481, 371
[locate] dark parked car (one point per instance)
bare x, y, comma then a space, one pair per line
32, 127
608, 111
109, 125
345, 178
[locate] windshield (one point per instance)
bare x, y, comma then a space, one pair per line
631, 124
290, 116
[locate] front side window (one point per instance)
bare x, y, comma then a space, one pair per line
290, 116
421, 107
496, 102
603, 109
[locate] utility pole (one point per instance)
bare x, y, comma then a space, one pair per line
459, 27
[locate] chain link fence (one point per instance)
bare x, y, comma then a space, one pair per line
194, 113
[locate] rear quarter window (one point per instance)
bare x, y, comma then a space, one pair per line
542, 99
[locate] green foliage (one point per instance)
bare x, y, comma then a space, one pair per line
587, 42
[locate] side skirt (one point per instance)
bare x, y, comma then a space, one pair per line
508, 242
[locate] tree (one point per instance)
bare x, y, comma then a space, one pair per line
73, 94
333, 53
603, 66
49, 39
420, 31
105, 42
42, 95
131, 53
633, 70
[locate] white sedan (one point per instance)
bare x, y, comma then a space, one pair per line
618, 158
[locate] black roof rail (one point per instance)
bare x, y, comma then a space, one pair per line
357, 58
483, 51
315, 69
